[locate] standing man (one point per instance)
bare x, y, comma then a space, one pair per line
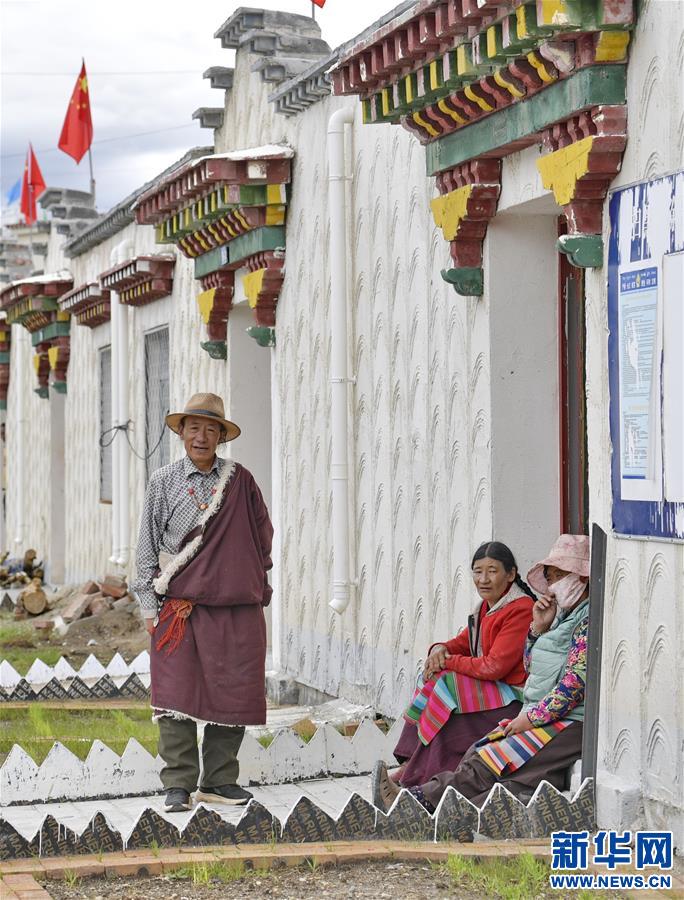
204, 549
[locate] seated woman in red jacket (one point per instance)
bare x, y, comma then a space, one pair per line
470, 682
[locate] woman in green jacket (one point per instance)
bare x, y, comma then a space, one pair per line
545, 738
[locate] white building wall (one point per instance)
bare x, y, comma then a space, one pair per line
419, 410
89, 527
421, 413
27, 454
642, 713
28, 432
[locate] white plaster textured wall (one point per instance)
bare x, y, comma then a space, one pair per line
642, 713
88, 520
418, 412
26, 407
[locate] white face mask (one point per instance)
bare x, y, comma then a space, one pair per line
567, 591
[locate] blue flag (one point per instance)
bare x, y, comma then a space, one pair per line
14, 193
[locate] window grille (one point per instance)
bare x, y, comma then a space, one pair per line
106, 424
157, 442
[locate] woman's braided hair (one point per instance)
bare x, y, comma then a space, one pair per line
503, 554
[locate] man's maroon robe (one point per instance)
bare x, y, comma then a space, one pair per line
217, 673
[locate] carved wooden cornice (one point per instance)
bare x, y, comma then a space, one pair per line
469, 194
262, 285
476, 80
201, 177
224, 212
141, 280
31, 302
88, 304
34, 304
443, 65
214, 304
584, 156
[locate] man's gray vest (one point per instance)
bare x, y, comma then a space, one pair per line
549, 658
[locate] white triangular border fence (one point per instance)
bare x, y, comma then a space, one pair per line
61, 677
103, 773
548, 810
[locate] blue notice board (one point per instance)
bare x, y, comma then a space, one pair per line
646, 357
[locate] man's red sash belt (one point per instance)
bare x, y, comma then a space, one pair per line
178, 611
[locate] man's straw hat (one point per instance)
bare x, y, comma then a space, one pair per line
206, 406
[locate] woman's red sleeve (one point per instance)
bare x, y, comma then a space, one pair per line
505, 653
459, 644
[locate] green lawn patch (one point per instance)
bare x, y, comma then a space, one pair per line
206, 873
36, 727
20, 645
518, 878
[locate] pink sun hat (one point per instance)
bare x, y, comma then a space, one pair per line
570, 553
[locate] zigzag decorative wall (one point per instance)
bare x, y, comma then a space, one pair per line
103, 773
501, 816
92, 681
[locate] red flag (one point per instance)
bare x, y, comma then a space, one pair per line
319, 3
77, 131
31, 187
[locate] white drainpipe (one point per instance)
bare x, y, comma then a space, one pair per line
114, 319
342, 582
120, 416
124, 454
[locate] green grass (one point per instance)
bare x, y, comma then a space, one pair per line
71, 878
209, 872
37, 726
267, 739
21, 644
520, 878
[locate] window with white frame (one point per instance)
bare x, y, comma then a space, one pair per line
157, 443
106, 425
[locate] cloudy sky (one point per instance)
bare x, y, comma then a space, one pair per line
144, 59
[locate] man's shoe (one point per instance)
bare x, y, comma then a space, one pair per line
177, 800
227, 793
385, 791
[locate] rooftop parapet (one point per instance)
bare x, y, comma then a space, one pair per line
246, 22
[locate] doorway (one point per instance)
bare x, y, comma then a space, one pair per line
574, 480
249, 405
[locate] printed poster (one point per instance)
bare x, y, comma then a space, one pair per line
638, 382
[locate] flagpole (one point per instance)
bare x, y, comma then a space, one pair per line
313, 10
92, 179
31, 201
31, 224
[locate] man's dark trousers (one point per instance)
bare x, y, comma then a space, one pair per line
178, 748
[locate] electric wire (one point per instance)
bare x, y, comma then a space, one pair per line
126, 429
